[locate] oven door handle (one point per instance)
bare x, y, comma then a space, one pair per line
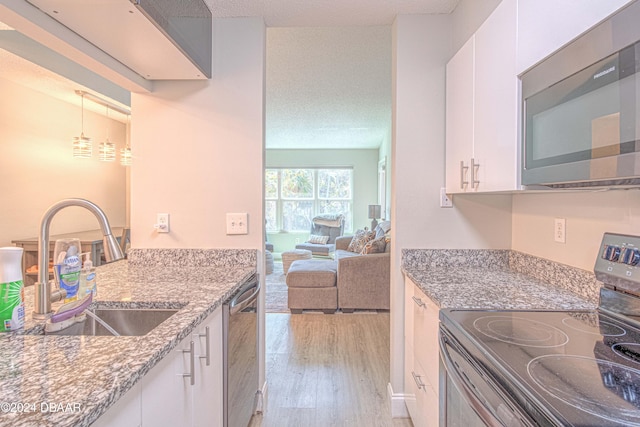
463, 386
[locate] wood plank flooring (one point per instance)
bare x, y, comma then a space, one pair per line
327, 370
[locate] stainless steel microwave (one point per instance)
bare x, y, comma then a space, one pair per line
581, 109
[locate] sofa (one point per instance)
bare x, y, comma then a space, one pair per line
363, 281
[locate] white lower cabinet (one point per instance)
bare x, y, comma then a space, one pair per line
421, 356
171, 396
168, 395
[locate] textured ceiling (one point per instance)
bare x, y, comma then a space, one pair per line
328, 68
321, 13
328, 87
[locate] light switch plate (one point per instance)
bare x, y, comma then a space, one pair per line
237, 223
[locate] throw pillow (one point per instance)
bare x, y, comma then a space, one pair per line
387, 239
359, 240
375, 246
320, 240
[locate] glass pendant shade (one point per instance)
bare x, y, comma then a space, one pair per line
82, 146
125, 156
107, 151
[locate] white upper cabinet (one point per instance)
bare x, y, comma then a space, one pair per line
482, 108
459, 114
546, 25
495, 150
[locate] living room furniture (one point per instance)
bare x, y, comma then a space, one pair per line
375, 211
268, 262
289, 256
330, 226
311, 285
363, 281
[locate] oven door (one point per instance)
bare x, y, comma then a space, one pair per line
470, 397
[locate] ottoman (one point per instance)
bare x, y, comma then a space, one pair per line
290, 256
312, 286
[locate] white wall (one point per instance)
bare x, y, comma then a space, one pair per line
467, 18
422, 47
37, 168
198, 145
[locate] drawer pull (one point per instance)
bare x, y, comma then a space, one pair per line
417, 379
207, 356
463, 173
418, 302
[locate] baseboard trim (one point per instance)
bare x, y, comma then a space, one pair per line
396, 402
262, 397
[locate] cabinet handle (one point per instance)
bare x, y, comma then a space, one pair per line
418, 381
192, 363
463, 174
207, 356
418, 301
475, 182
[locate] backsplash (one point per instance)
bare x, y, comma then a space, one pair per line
194, 257
578, 281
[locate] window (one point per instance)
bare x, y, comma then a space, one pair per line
295, 196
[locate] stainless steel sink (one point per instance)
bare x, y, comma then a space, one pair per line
125, 321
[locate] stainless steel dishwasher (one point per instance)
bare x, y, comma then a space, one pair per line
240, 354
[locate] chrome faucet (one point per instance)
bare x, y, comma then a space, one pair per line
43, 294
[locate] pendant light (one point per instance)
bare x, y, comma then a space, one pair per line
82, 146
125, 153
107, 149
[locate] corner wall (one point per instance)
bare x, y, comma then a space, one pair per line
421, 48
37, 168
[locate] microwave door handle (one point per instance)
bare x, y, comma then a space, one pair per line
489, 419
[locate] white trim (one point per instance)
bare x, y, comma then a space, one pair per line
262, 397
396, 402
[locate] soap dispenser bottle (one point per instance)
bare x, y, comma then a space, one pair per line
87, 278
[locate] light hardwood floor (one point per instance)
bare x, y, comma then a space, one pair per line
327, 370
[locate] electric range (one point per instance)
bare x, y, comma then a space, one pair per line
551, 368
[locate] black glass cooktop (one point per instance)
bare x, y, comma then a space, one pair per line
577, 368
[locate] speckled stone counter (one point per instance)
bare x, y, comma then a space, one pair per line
88, 374
498, 279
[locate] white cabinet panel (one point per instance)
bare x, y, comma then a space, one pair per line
421, 356
496, 101
547, 25
482, 108
207, 397
459, 117
124, 413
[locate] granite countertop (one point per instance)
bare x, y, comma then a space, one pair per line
82, 377
493, 280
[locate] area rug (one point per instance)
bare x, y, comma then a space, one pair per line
276, 295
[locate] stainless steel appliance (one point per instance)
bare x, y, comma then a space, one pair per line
549, 368
581, 109
240, 354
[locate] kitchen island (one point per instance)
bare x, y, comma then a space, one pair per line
73, 380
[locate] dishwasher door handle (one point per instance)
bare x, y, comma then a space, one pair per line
238, 303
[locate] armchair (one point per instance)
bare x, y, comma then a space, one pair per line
328, 226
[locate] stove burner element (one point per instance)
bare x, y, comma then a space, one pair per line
521, 331
592, 325
630, 351
566, 378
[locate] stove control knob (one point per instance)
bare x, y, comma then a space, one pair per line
611, 253
631, 256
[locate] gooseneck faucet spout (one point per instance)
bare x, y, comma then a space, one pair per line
43, 295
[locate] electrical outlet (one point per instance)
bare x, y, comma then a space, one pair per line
162, 223
559, 230
237, 223
445, 200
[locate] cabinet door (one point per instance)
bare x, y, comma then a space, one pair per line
421, 356
207, 398
496, 101
459, 117
167, 395
544, 26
